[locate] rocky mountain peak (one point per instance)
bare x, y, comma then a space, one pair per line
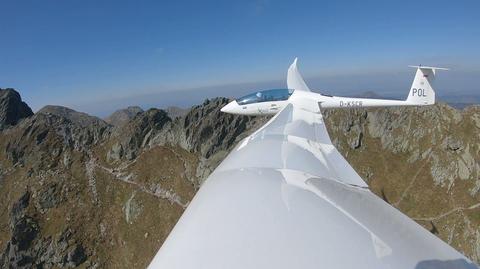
137, 133
12, 108
78, 118
122, 116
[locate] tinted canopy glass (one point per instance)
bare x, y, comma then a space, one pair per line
265, 96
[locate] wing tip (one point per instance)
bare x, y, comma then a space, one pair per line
294, 79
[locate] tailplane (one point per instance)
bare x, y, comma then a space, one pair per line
421, 92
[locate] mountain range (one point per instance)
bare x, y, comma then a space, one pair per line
80, 191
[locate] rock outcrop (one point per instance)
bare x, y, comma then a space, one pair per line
209, 133
12, 108
137, 133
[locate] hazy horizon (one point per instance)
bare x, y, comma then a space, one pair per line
386, 84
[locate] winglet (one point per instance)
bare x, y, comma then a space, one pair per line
295, 61
294, 79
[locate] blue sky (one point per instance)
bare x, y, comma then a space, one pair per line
79, 53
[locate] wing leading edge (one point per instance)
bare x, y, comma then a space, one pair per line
286, 198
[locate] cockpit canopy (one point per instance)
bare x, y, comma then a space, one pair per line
265, 96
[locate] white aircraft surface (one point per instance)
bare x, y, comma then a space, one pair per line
286, 198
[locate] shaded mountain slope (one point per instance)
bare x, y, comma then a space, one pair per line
12, 108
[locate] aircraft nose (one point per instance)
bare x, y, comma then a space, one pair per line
229, 108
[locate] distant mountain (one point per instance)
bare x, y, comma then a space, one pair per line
79, 192
370, 94
460, 101
122, 116
462, 105
12, 108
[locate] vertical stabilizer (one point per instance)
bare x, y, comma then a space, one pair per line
422, 92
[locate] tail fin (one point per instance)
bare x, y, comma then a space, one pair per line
421, 92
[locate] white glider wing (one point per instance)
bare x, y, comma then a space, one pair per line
285, 198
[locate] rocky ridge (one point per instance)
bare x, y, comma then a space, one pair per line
78, 191
12, 108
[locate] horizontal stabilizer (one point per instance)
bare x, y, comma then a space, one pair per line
428, 67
